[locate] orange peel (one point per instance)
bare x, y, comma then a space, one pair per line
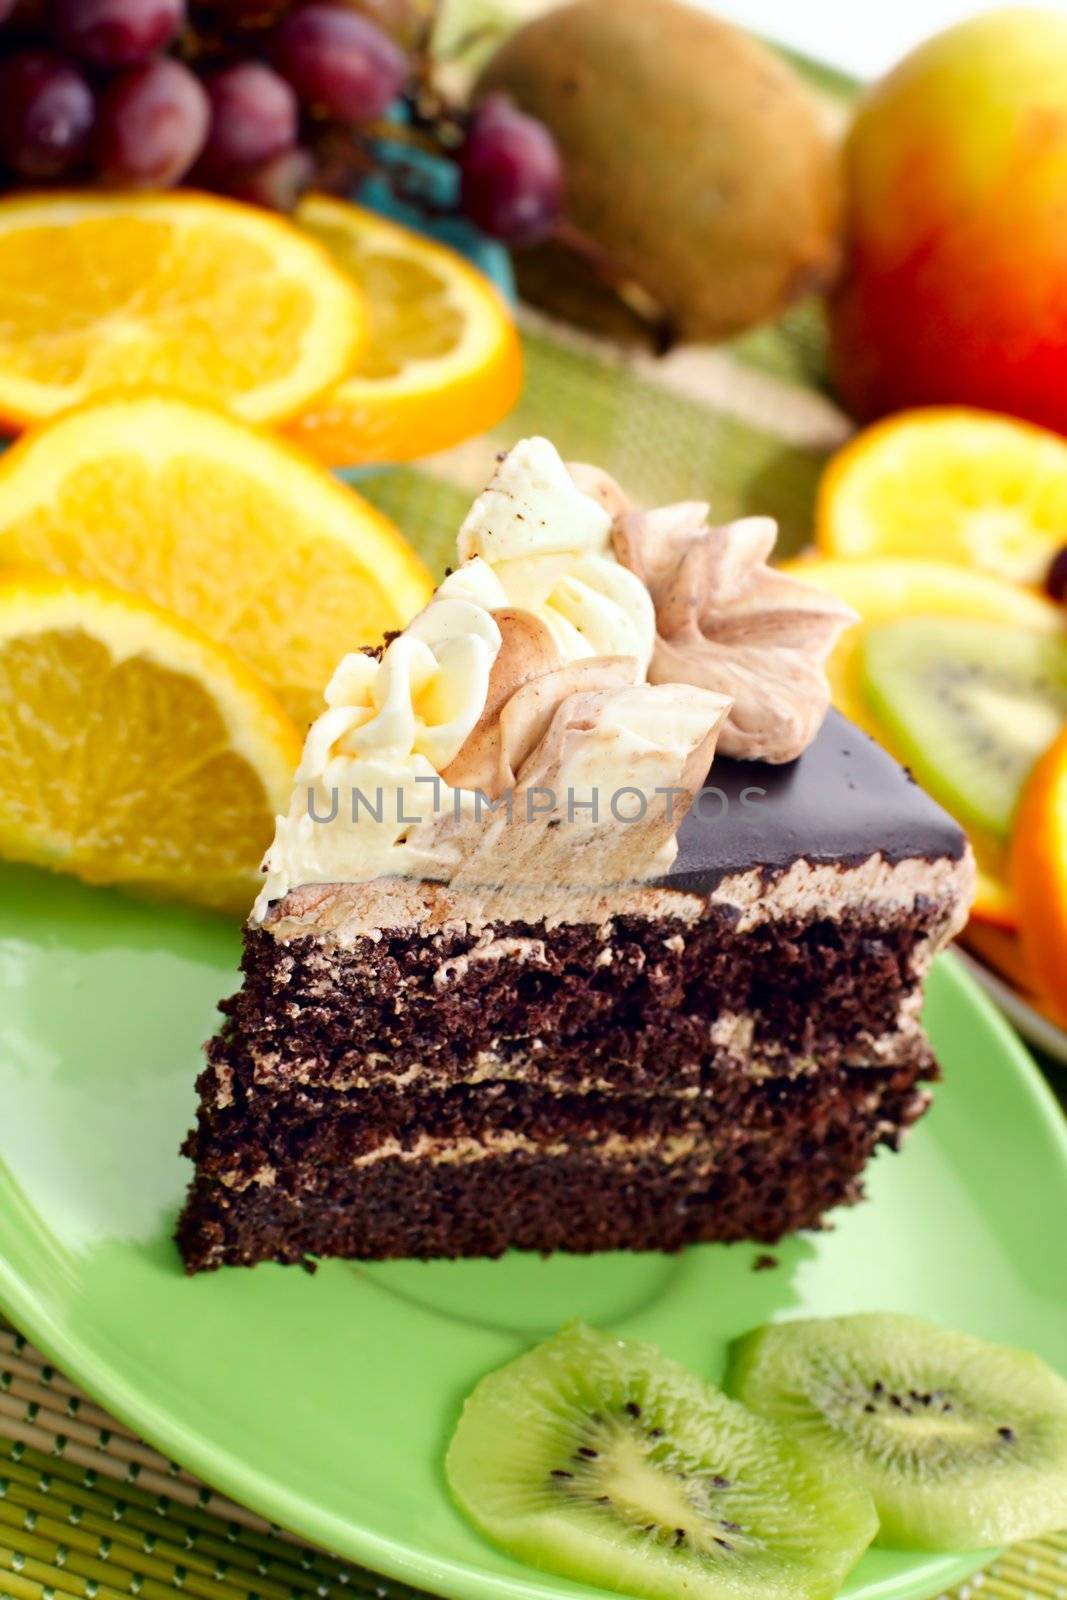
1039, 875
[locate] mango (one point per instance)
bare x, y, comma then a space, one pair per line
955, 288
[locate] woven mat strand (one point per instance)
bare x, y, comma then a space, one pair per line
88, 1510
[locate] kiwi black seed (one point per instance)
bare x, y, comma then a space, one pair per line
606, 1462
969, 706
962, 1444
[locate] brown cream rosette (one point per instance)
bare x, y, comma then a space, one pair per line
727, 621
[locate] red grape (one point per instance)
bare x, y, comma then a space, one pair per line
339, 62
276, 184
6, 8
46, 113
402, 20
115, 33
151, 125
254, 117
511, 175
25, 21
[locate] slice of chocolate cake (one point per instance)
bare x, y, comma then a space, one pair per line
588, 928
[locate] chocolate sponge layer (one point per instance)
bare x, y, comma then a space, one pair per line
715, 1058
341, 1112
653, 1004
759, 1177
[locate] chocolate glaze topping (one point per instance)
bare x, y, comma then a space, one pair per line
841, 802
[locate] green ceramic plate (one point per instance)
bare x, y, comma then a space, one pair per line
325, 1401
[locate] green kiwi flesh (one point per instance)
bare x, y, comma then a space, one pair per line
969, 706
604, 1461
962, 1444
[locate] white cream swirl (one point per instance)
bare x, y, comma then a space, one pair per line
544, 545
369, 770
526, 676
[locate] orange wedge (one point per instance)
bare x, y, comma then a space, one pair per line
133, 750
969, 487
883, 590
226, 526
1039, 875
182, 292
442, 360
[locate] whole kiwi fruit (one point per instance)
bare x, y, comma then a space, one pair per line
695, 159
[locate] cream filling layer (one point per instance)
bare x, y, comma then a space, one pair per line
343, 913
463, 1151
730, 1036
452, 1152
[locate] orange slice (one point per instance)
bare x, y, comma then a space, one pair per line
883, 590
228, 527
970, 487
442, 361
133, 750
182, 292
1039, 875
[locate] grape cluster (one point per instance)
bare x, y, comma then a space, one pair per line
259, 99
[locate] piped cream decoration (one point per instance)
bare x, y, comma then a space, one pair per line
727, 621
599, 770
525, 677
533, 539
532, 506
389, 728
526, 685
603, 777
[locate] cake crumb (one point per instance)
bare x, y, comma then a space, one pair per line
764, 1263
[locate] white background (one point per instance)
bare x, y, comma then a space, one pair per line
864, 37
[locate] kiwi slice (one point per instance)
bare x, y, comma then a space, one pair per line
968, 705
604, 1461
962, 1444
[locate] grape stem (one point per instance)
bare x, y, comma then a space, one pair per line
658, 322
437, 126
